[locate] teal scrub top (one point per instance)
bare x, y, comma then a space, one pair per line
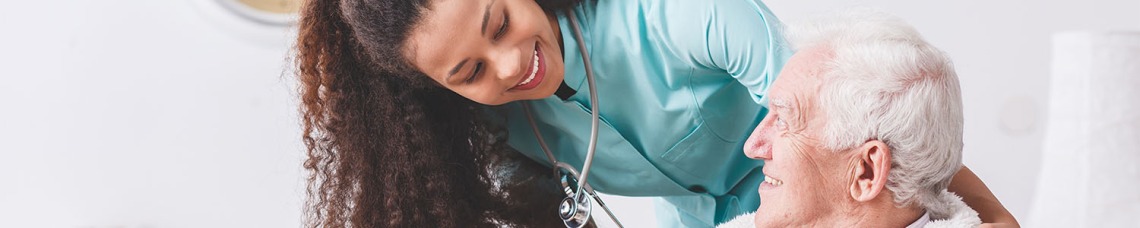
681, 84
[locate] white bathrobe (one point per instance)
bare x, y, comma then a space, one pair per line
952, 213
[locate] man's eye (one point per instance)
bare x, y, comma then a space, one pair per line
478, 67
780, 124
503, 27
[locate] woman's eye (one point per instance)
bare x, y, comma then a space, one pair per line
478, 67
503, 27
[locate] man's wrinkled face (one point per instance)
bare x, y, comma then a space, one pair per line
802, 180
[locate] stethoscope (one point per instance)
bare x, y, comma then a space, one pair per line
575, 208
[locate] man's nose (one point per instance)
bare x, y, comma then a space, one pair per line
759, 144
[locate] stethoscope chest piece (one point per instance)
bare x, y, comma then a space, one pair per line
575, 213
574, 209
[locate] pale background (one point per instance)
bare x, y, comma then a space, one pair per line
174, 113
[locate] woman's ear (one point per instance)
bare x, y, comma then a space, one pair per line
871, 171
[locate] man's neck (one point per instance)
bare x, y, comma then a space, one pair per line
880, 213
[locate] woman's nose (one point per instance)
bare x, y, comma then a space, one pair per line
507, 63
758, 145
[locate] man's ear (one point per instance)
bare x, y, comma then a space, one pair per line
873, 160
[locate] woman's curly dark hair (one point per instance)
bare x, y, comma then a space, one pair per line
386, 147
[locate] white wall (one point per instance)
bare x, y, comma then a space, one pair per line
133, 113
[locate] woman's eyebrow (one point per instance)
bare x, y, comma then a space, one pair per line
486, 15
482, 30
456, 69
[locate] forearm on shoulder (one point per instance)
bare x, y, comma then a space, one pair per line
979, 197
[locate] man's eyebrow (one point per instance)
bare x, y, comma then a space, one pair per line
778, 103
456, 68
783, 107
486, 16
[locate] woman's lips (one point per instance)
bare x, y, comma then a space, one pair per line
535, 73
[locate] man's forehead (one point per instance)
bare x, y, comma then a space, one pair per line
801, 78
810, 62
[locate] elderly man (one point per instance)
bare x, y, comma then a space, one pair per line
865, 130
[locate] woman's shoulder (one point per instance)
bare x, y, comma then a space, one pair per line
671, 9
689, 10
675, 16
682, 18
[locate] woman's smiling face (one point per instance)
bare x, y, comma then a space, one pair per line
490, 51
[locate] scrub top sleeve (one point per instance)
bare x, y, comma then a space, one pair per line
743, 38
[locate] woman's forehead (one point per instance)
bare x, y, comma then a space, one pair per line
444, 29
449, 13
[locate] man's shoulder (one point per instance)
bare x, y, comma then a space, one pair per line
951, 211
741, 221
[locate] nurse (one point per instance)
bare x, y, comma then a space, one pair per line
396, 93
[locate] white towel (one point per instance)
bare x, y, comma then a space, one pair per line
952, 212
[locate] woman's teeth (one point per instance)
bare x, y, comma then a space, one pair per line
533, 69
773, 181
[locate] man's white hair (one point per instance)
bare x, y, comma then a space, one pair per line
886, 83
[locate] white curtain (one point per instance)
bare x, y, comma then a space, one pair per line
1090, 173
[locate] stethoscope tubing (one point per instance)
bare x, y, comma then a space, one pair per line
583, 187
594, 113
